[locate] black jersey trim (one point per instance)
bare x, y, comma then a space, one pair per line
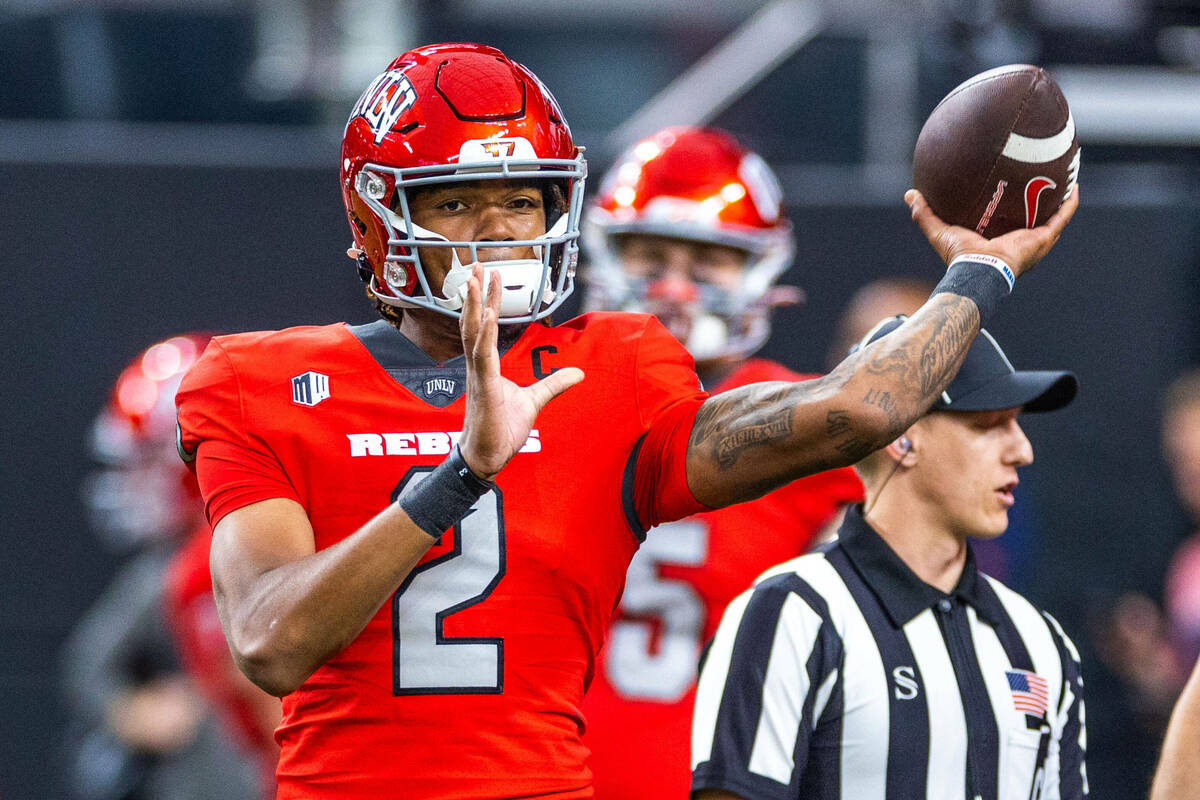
1071, 755
627, 501
439, 385
392, 349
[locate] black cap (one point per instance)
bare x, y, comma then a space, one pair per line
986, 381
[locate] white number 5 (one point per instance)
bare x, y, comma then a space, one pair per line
654, 604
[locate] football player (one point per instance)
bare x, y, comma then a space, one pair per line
149, 732
249, 715
689, 227
431, 622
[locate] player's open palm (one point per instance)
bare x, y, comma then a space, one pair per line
1020, 249
500, 413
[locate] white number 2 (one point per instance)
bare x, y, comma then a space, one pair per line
635, 667
424, 660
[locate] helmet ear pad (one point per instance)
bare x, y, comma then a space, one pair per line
369, 238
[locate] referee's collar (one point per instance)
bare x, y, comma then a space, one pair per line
901, 593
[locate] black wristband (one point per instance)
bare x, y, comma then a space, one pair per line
443, 497
983, 282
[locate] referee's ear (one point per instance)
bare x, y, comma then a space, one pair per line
902, 450
882, 464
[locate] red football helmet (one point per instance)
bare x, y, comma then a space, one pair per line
459, 112
697, 184
143, 491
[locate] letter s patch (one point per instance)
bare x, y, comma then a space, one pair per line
906, 683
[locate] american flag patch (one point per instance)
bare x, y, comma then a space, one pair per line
1029, 692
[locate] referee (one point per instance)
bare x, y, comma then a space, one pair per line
886, 666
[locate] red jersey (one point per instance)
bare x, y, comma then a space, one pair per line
639, 709
469, 682
248, 713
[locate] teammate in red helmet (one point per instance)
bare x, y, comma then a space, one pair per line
432, 621
144, 730
689, 226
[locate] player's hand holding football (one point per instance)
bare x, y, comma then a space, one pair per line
1020, 249
500, 413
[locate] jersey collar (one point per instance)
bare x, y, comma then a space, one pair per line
901, 593
393, 350
439, 385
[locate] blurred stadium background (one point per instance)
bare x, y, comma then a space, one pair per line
171, 166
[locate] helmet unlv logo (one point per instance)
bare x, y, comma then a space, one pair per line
384, 101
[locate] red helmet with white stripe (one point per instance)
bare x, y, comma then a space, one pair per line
143, 491
459, 112
695, 184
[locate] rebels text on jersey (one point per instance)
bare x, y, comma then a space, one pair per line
639, 709
468, 683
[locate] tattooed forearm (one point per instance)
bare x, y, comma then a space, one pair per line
855, 448
750, 440
711, 416
930, 361
733, 422
883, 400
837, 423
731, 445
942, 353
846, 440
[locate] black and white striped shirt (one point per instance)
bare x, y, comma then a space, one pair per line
841, 674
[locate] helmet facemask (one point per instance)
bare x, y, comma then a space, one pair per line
532, 287
725, 323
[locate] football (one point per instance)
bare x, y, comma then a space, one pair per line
999, 152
